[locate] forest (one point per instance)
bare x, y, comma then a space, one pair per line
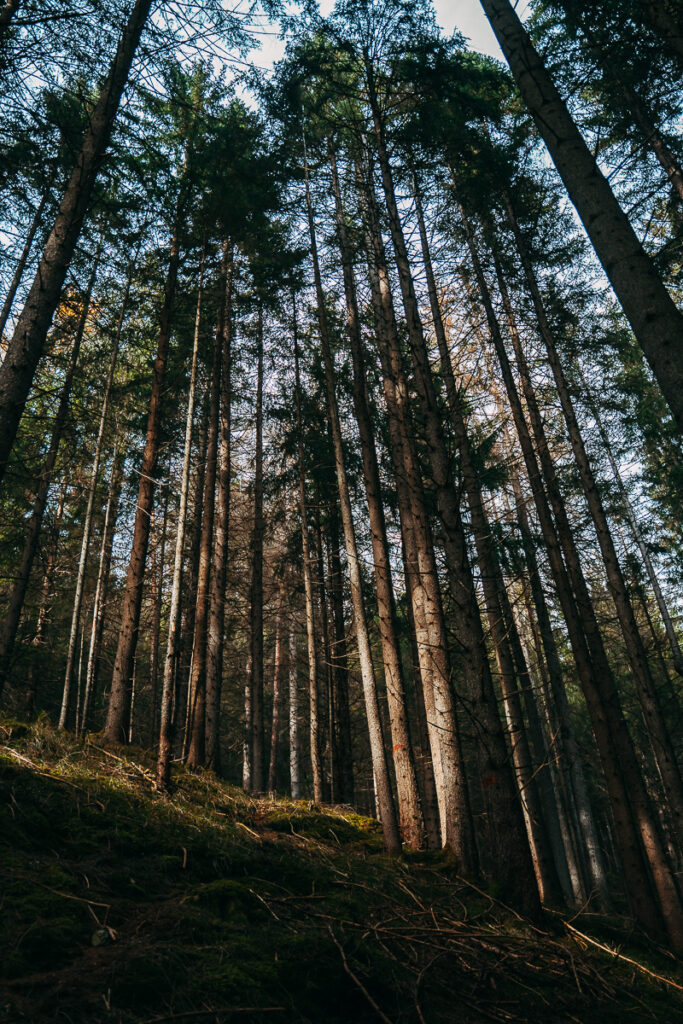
341, 493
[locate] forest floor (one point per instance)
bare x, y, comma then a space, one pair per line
121, 905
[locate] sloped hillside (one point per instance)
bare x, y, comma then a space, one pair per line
121, 905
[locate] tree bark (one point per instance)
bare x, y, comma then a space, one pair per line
26, 347
654, 318
221, 527
277, 694
660, 739
10, 624
256, 590
103, 570
316, 760
533, 780
195, 725
507, 840
340, 660
636, 829
173, 640
294, 759
387, 812
119, 697
26, 251
457, 831
42, 621
87, 524
410, 812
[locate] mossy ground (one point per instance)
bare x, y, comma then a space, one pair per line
121, 905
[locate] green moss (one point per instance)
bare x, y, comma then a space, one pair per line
193, 911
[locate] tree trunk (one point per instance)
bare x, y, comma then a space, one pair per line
26, 251
294, 779
410, 812
42, 621
660, 739
455, 816
87, 524
533, 780
195, 725
387, 813
256, 591
221, 526
26, 347
340, 660
507, 840
630, 806
7, 12
173, 640
654, 318
316, 761
104, 566
277, 694
676, 653
10, 624
119, 697
595, 866
330, 733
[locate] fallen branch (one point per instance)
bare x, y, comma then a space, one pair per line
620, 956
355, 979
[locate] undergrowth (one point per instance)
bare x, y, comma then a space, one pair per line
122, 905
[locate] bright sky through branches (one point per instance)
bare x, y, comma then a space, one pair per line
465, 15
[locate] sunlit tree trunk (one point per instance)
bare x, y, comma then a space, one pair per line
256, 589
387, 812
506, 835
410, 811
455, 816
294, 755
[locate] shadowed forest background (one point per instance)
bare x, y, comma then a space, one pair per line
340, 422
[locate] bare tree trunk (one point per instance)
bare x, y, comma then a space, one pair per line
119, 697
195, 725
457, 831
539, 808
256, 592
660, 739
387, 813
26, 251
410, 812
329, 740
87, 524
155, 628
26, 347
40, 634
221, 527
597, 876
508, 847
10, 624
340, 660
656, 322
173, 641
99, 602
637, 831
277, 693
294, 760
316, 761
676, 653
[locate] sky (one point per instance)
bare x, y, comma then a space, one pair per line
465, 15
